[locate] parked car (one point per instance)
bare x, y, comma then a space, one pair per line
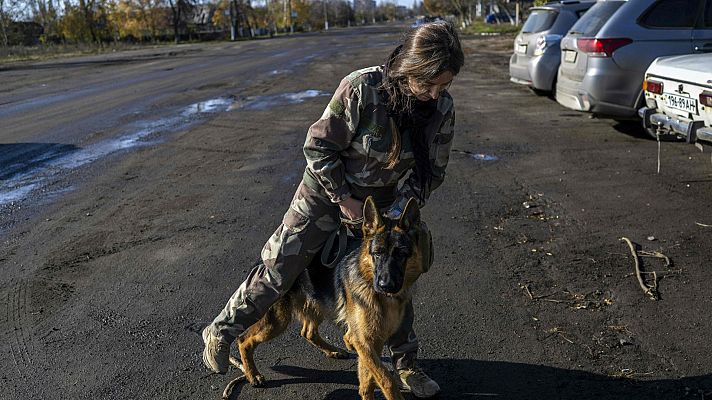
424, 20
678, 97
605, 54
499, 18
537, 55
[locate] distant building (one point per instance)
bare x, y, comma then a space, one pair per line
24, 33
202, 15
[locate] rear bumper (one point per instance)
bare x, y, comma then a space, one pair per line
537, 71
704, 134
604, 89
519, 71
681, 127
570, 95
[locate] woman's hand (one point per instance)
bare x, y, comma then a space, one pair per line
351, 208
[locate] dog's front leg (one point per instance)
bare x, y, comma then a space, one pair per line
368, 358
366, 384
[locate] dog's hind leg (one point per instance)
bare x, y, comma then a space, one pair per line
310, 331
269, 327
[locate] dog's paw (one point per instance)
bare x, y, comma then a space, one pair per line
339, 355
258, 381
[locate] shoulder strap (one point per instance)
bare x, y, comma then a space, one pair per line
326, 251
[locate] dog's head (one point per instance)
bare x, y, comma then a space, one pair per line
393, 247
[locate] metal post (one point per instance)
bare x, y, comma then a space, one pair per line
326, 18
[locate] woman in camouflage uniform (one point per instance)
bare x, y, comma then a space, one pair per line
383, 124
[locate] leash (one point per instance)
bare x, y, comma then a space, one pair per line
341, 233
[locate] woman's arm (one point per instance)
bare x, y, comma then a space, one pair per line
331, 134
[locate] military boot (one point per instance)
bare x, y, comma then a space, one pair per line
415, 381
216, 355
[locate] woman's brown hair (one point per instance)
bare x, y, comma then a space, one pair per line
427, 51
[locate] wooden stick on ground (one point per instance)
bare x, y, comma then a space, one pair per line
650, 291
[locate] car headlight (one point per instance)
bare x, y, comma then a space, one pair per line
543, 42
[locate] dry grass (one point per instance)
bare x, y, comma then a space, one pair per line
46, 52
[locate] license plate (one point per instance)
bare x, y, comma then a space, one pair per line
570, 56
522, 48
681, 103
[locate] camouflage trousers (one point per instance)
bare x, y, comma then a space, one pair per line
306, 226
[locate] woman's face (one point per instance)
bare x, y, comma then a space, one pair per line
425, 91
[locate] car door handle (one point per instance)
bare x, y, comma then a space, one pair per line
705, 48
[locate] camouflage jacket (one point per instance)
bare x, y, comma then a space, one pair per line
348, 145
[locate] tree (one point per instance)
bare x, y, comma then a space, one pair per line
438, 7
180, 9
6, 18
137, 19
463, 8
45, 13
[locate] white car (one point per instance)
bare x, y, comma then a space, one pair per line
678, 97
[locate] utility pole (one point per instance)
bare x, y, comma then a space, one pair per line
373, 10
233, 20
326, 17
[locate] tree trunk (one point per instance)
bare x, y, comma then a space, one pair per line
233, 20
3, 22
176, 14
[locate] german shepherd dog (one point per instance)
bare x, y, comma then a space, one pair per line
366, 293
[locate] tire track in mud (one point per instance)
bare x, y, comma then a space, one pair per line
21, 345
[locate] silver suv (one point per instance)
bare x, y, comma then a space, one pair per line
537, 56
605, 54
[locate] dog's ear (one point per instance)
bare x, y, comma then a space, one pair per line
410, 216
371, 217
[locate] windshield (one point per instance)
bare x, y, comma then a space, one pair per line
539, 20
594, 19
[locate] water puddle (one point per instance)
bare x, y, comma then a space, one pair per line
26, 169
48, 165
477, 156
208, 106
260, 103
280, 71
484, 157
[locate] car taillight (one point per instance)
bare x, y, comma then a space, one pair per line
653, 86
601, 47
706, 98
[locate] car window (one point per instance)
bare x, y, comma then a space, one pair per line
539, 20
594, 19
671, 14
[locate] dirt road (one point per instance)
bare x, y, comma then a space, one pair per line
139, 188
